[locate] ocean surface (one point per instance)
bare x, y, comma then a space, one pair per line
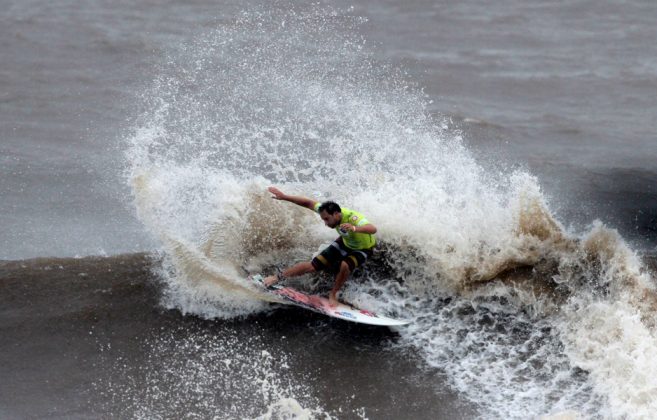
506, 153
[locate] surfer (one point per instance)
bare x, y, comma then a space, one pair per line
350, 250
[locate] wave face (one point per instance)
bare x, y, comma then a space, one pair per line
524, 317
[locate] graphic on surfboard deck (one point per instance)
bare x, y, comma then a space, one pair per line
321, 304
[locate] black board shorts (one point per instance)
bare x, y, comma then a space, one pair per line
333, 255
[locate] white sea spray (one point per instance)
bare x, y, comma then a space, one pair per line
525, 318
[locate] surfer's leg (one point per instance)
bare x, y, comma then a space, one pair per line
294, 271
299, 269
340, 278
330, 257
352, 258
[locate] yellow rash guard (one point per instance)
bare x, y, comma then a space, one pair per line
353, 240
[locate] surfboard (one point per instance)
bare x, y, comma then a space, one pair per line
321, 305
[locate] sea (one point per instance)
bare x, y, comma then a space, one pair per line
506, 152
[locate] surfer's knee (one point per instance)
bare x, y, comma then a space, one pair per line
344, 267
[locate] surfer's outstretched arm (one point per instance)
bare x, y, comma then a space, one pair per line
298, 200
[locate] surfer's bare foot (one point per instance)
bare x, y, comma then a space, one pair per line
333, 301
270, 280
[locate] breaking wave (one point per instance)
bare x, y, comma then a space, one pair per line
525, 317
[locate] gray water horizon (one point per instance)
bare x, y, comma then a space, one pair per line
567, 92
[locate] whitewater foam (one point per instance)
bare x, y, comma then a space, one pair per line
519, 312
212, 376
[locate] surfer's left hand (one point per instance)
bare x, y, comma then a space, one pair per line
347, 227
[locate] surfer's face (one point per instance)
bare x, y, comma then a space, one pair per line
331, 220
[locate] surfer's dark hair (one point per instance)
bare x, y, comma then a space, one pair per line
330, 207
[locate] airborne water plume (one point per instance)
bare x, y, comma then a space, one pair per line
518, 312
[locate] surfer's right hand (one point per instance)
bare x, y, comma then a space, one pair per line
278, 194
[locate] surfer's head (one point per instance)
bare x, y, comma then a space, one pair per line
331, 214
